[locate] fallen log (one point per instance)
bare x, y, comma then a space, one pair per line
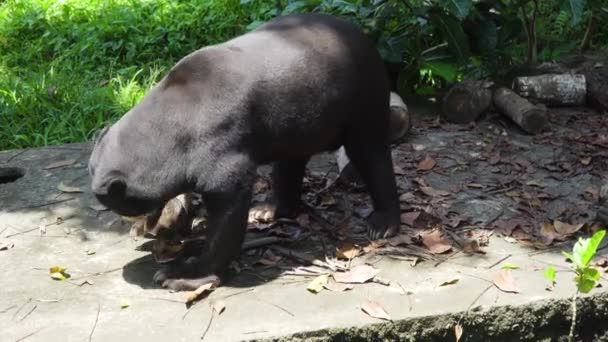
553, 89
465, 101
400, 124
597, 89
529, 117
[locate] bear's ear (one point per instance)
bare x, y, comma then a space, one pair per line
99, 134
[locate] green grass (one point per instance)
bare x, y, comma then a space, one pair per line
69, 67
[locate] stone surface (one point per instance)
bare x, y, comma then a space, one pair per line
95, 246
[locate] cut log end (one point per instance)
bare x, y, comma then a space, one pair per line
465, 101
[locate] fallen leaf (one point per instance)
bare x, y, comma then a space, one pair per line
191, 296
409, 217
504, 281
357, 275
218, 306
317, 284
86, 282
435, 242
61, 163
509, 267
472, 246
400, 240
567, 229
535, 183
327, 200
69, 189
374, 309
475, 186
337, 287
427, 164
58, 273
548, 233
124, 305
585, 160
303, 220
449, 282
429, 191
373, 245
458, 332
398, 170
98, 207
89, 252
348, 251
260, 186
6, 245
495, 159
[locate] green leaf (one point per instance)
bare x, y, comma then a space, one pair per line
317, 284
510, 267
550, 274
584, 250
587, 279
452, 32
459, 8
576, 9
448, 72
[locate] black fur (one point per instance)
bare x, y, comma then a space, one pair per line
297, 86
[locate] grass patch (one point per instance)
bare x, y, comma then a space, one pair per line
69, 67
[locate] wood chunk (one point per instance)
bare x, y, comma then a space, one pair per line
529, 117
553, 89
465, 101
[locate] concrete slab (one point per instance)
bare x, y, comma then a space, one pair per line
260, 303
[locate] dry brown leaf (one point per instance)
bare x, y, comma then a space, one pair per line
535, 183
400, 240
373, 245
566, 229
218, 306
410, 217
427, 164
6, 245
260, 186
429, 191
449, 282
357, 275
435, 242
475, 186
472, 246
585, 160
60, 163
337, 287
68, 189
192, 296
458, 332
548, 233
348, 251
504, 281
374, 309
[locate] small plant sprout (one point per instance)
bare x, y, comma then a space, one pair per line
586, 276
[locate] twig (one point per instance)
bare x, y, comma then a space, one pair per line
473, 303
28, 313
268, 240
8, 309
276, 306
208, 324
235, 293
47, 300
42, 204
499, 261
301, 257
168, 300
21, 307
29, 335
441, 261
573, 324
95, 324
17, 154
98, 273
